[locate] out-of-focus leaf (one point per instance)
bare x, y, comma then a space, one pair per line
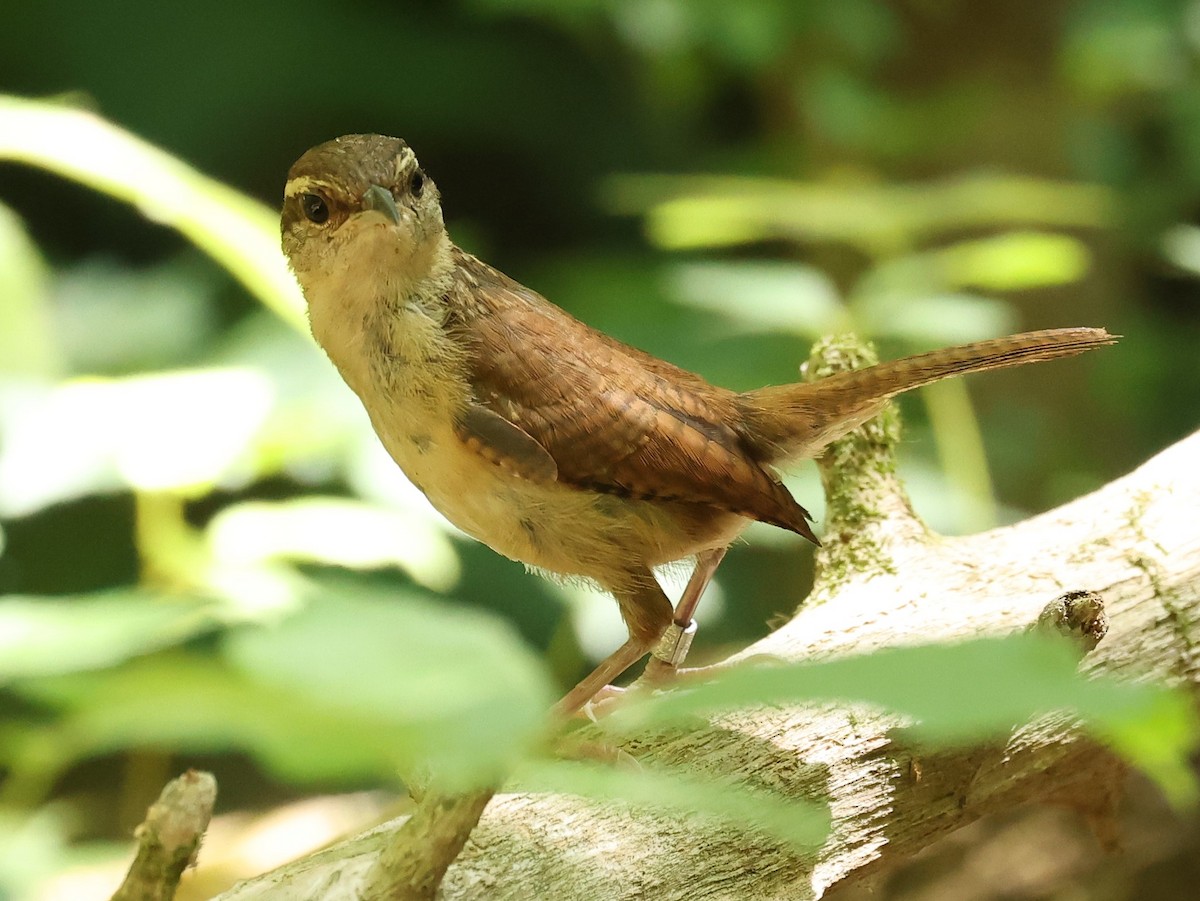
276, 405
960, 447
949, 508
929, 320
1124, 48
257, 593
673, 793
176, 431
27, 343
956, 693
1156, 734
112, 319
317, 430
1181, 245
1014, 261
464, 690
347, 689
315, 414
47, 636
238, 232
336, 531
696, 211
31, 847
762, 296
854, 112
197, 705
747, 35
922, 296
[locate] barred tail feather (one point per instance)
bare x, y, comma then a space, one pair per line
796, 421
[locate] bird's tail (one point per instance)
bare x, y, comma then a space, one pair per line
794, 421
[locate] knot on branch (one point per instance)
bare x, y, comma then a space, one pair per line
1077, 615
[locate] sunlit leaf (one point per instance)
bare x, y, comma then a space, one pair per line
961, 693
336, 531
317, 430
31, 847
1181, 245
761, 296
723, 802
45, 636
929, 320
316, 426
180, 430
698, 211
345, 690
97, 300
27, 342
238, 232
1014, 261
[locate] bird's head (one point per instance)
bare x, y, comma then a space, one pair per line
361, 205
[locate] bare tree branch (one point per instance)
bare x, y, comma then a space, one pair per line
169, 838
1128, 554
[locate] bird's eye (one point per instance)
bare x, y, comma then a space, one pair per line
417, 184
315, 208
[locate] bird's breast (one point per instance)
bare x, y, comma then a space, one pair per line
552, 526
412, 379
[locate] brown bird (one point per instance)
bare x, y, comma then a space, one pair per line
545, 439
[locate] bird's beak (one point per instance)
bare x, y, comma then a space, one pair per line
381, 201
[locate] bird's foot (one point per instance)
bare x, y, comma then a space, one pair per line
602, 702
659, 675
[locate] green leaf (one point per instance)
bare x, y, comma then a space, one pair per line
45, 636
726, 802
762, 295
32, 847
357, 684
1014, 261
186, 704
933, 319
28, 345
166, 431
956, 694
238, 232
172, 303
335, 531
1181, 246
465, 692
717, 211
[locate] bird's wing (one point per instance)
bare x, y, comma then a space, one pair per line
555, 399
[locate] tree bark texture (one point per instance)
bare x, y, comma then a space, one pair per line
168, 840
883, 580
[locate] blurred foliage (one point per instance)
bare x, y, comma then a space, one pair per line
1148, 724
205, 553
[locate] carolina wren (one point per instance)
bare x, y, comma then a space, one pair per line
550, 442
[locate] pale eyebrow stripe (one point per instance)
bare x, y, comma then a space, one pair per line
302, 185
402, 161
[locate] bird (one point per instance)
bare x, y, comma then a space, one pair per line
549, 441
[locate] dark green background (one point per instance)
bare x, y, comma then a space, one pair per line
525, 111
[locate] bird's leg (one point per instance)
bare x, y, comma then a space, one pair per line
640, 605
599, 679
672, 648
647, 613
